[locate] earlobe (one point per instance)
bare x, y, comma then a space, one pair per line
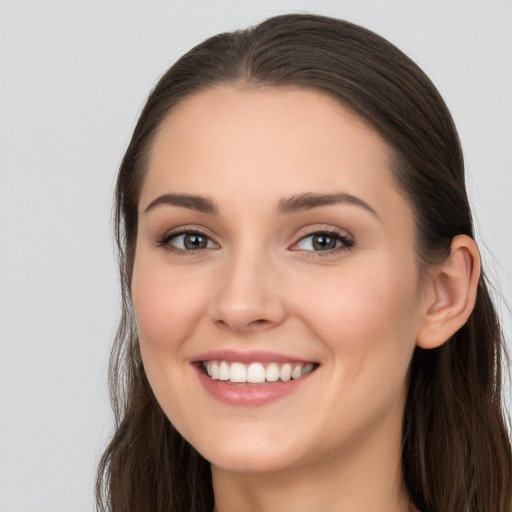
452, 294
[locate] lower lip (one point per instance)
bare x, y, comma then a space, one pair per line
249, 395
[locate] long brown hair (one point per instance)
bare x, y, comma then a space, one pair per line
456, 448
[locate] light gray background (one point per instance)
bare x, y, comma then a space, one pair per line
73, 76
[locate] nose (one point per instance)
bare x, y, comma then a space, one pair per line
249, 296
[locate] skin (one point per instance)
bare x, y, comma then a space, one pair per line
333, 444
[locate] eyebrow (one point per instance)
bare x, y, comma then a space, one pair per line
293, 204
192, 202
301, 202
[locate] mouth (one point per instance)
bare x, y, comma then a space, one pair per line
252, 379
255, 373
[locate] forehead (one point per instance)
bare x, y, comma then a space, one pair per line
267, 143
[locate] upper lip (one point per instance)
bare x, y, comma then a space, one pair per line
253, 356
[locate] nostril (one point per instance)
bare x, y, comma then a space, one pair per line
259, 321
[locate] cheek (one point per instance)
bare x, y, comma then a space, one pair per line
167, 309
367, 316
167, 305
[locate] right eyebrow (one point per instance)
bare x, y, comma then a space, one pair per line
192, 202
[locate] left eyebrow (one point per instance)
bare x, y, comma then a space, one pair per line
300, 202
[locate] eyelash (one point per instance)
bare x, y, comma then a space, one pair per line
346, 243
164, 242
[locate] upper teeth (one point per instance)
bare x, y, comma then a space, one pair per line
256, 372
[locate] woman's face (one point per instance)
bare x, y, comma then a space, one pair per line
273, 241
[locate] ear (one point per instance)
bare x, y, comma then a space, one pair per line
451, 293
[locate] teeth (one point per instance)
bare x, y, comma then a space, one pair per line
307, 369
238, 372
272, 372
224, 373
297, 371
256, 373
286, 372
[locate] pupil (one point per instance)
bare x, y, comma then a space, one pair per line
323, 242
195, 241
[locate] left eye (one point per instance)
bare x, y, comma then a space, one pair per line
191, 241
321, 242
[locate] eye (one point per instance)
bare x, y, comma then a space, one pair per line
323, 241
187, 241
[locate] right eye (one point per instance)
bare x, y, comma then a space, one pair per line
187, 241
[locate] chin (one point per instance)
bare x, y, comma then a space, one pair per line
249, 462
247, 454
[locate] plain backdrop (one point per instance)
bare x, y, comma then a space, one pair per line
73, 77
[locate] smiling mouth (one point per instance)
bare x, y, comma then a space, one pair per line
256, 373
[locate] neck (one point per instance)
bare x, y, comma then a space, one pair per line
366, 476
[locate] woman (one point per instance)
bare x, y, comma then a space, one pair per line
305, 321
